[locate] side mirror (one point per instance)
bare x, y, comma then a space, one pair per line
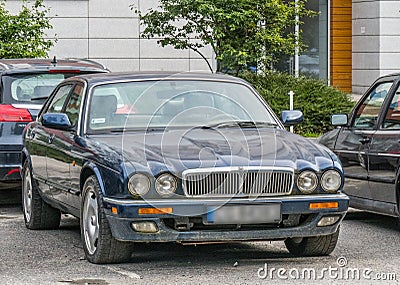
291, 118
339, 120
58, 121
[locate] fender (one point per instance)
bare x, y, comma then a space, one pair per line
24, 156
90, 167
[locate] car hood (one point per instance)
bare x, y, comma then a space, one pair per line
176, 150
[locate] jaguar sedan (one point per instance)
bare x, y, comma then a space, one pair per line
163, 157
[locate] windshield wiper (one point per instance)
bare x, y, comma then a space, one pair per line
39, 98
240, 124
138, 129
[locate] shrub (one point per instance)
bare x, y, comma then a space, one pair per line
313, 97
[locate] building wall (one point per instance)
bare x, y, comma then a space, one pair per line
365, 41
108, 31
376, 41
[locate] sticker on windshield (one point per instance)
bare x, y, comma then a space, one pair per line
98, 121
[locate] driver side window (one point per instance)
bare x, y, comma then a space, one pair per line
392, 117
57, 103
368, 112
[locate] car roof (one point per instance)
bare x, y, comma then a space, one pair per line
94, 79
22, 65
388, 76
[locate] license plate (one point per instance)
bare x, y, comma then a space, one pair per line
244, 214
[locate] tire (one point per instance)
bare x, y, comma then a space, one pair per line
98, 243
38, 214
312, 246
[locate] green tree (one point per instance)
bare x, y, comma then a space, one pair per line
22, 35
241, 32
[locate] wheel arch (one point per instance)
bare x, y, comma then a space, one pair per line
25, 156
88, 170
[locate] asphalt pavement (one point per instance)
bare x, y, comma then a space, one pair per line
368, 252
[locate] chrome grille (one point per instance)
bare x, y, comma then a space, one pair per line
232, 181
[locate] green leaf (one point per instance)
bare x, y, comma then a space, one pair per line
22, 35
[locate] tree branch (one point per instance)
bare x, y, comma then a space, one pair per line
202, 55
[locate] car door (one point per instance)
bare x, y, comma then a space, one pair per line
40, 137
353, 141
37, 145
56, 159
71, 139
384, 154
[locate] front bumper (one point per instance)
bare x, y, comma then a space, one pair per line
291, 206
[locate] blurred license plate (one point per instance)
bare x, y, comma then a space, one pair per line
244, 214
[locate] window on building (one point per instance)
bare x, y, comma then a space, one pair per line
313, 60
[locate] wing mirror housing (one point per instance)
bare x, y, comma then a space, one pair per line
58, 121
291, 118
339, 120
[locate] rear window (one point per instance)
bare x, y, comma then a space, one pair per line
30, 88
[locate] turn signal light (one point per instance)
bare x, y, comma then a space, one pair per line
324, 205
154, 211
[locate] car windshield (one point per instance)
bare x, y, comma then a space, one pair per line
175, 103
30, 88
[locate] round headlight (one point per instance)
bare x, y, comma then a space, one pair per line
166, 184
307, 182
138, 184
331, 181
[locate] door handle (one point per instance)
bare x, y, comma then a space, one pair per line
365, 140
51, 138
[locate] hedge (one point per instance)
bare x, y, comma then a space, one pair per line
313, 97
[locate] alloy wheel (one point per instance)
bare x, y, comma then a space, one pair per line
27, 195
90, 220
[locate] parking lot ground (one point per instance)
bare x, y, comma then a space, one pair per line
368, 246
10, 197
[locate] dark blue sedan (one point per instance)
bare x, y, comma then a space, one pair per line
163, 157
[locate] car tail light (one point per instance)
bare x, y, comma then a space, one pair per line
9, 113
14, 170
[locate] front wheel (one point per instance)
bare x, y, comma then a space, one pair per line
312, 246
99, 244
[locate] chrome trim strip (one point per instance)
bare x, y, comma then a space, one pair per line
10, 165
27, 106
351, 151
298, 198
385, 154
175, 76
236, 168
83, 103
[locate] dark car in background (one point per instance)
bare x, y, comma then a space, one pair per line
25, 85
368, 145
164, 157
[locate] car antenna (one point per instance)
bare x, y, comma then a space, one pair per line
54, 61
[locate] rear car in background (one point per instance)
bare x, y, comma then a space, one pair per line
368, 144
25, 85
